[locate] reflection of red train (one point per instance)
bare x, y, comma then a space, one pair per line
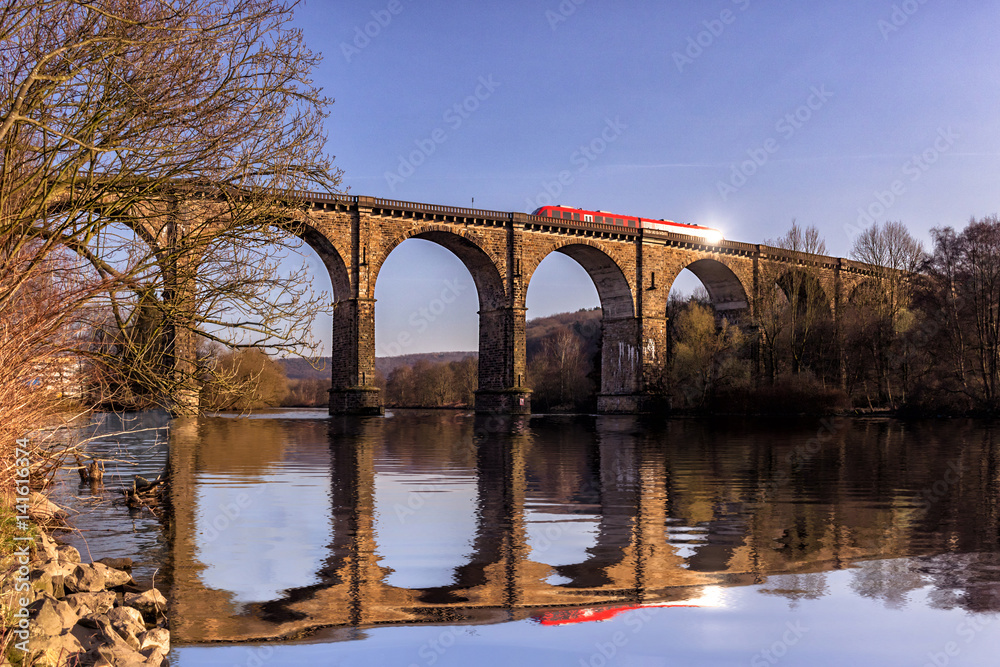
709, 234
711, 596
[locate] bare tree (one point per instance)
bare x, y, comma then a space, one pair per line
882, 305
156, 140
944, 301
965, 273
805, 295
770, 312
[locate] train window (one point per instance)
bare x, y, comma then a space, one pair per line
631, 223
567, 215
598, 218
576, 216
588, 218
619, 221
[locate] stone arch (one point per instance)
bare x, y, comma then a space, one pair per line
612, 285
727, 291
857, 287
621, 357
498, 369
810, 288
484, 267
336, 267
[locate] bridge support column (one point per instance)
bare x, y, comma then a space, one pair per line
632, 351
353, 390
502, 385
179, 267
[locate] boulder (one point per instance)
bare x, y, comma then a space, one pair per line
83, 604
86, 578
149, 603
51, 617
108, 656
89, 638
67, 554
128, 623
156, 658
93, 620
112, 577
117, 563
117, 637
46, 548
50, 578
155, 638
56, 651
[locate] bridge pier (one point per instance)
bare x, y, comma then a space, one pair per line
502, 385
626, 367
353, 390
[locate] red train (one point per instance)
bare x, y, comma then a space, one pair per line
566, 213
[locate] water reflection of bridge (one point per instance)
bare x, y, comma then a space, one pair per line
635, 487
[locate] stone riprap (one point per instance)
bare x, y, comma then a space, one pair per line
92, 613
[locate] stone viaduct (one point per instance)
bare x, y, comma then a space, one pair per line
632, 270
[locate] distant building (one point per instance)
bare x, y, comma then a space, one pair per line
63, 377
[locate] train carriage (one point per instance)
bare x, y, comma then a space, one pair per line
709, 234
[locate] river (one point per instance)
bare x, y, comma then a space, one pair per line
442, 538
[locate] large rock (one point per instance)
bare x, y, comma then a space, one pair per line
117, 563
56, 651
150, 603
83, 604
52, 617
67, 554
50, 578
85, 578
88, 637
155, 638
113, 637
93, 620
116, 656
128, 623
46, 548
156, 658
112, 577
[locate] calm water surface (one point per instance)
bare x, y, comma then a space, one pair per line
129, 445
441, 538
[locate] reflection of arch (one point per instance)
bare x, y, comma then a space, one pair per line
612, 285
723, 285
482, 266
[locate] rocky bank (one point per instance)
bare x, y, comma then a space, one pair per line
91, 613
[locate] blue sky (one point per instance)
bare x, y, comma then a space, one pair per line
738, 114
